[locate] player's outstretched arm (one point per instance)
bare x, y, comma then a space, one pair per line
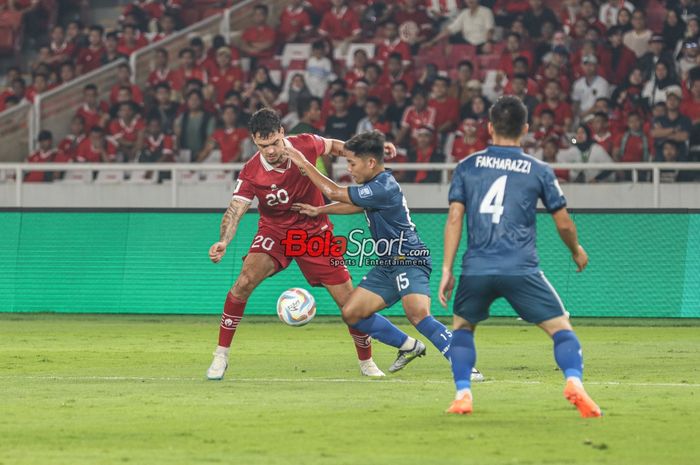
336, 148
335, 208
567, 231
229, 225
453, 234
329, 188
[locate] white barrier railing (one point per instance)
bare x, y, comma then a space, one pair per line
444, 168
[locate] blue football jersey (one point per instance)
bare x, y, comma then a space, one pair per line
387, 212
500, 187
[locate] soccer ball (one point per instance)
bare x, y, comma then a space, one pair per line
296, 307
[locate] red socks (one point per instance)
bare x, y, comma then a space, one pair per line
363, 344
233, 312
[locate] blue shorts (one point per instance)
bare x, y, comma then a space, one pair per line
392, 283
531, 296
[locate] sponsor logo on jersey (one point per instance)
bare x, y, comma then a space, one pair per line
364, 192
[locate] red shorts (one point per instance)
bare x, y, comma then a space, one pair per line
317, 270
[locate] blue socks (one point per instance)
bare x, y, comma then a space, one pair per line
463, 357
436, 333
567, 353
382, 330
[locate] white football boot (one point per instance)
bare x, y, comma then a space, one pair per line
476, 375
218, 367
369, 368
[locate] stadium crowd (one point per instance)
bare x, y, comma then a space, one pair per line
603, 81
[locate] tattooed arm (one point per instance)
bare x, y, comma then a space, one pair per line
229, 225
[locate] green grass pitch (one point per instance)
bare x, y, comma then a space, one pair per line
80, 390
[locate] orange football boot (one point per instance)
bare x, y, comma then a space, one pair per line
577, 396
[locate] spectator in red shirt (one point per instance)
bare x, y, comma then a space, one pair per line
392, 44
18, 90
295, 22
446, 107
425, 151
601, 131
61, 49
127, 130
551, 72
373, 74
69, 145
394, 72
373, 121
690, 107
67, 72
227, 139
166, 26
258, 41
187, 70
359, 63
224, 77
415, 26
124, 80
617, 60
201, 59
512, 51
90, 57
96, 148
161, 71
546, 130
416, 116
44, 154
92, 111
130, 40
111, 45
553, 100
589, 13
38, 86
340, 24
466, 141
158, 147
633, 145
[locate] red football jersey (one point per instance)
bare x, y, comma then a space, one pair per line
225, 80
86, 153
91, 117
69, 145
445, 111
340, 24
163, 143
415, 119
136, 94
229, 142
39, 157
158, 75
89, 59
120, 130
277, 188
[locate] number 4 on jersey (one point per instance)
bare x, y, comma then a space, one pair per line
493, 200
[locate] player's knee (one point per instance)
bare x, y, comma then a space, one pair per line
351, 314
243, 287
416, 315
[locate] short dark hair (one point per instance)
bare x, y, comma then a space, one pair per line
340, 93
304, 105
400, 83
601, 114
97, 130
97, 28
112, 35
547, 111
264, 123
163, 85
522, 77
523, 60
508, 116
444, 79
124, 66
466, 63
196, 92
184, 51
367, 144
262, 8
374, 99
45, 135
196, 42
395, 56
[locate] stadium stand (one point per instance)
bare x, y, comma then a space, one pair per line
605, 81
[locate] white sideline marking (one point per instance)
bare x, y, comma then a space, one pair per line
326, 380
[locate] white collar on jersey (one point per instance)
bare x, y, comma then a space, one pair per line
269, 167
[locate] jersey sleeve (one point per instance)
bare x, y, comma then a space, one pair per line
311, 145
370, 195
243, 188
457, 191
552, 196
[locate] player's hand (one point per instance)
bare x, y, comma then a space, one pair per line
581, 259
217, 252
389, 150
447, 284
296, 156
306, 209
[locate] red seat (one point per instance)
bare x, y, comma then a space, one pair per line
487, 62
297, 65
459, 52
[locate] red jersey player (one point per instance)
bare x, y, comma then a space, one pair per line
277, 184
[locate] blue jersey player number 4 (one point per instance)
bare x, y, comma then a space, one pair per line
498, 190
